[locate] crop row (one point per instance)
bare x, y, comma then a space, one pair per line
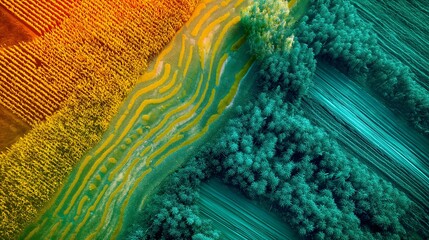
25, 89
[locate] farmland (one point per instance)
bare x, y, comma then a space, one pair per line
214, 119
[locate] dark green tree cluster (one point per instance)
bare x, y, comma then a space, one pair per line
173, 213
292, 71
394, 82
284, 62
272, 152
336, 32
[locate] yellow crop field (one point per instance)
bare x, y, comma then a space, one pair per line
68, 84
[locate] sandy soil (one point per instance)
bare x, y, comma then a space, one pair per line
12, 30
11, 128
